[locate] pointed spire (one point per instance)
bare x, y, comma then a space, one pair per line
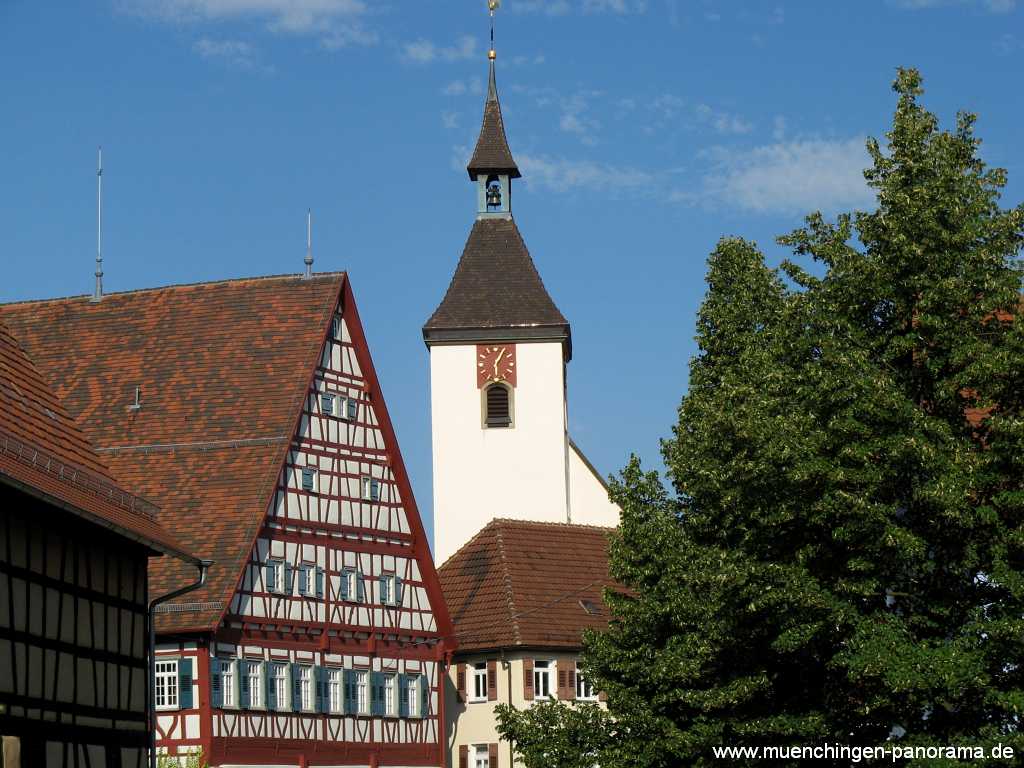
492, 155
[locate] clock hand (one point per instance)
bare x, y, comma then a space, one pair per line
498, 360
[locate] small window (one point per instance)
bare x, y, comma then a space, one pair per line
254, 683
229, 683
351, 409
497, 406
352, 586
370, 488
480, 681
306, 688
308, 473
336, 327
412, 696
334, 690
279, 683
584, 689
166, 689
542, 679
327, 403
481, 756
390, 695
362, 691
274, 576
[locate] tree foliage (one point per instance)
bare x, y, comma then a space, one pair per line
553, 734
843, 557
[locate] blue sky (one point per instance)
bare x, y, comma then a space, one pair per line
645, 129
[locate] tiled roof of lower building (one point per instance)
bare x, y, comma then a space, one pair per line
222, 371
43, 451
527, 584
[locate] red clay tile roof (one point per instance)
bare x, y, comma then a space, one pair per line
223, 370
44, 452
522, 584
492, 155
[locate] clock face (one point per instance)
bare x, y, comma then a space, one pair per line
495, 362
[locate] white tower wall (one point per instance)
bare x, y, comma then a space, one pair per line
480, 474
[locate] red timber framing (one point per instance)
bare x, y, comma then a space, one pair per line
333, 648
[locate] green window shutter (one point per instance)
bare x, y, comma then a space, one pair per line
307, 479
270, 576
289, 574
296, 670
351, 409
424, 691
269, 689
374, 489
185, 684
403, 695
327, 404
360, 588
398, 591
319, 576
320, 699
344, 584
302, 579
216, 689
243, 684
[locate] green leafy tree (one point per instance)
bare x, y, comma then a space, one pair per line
553, 734
842, 560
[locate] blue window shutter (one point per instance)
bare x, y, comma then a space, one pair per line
424, 695
319, 576
307, 479
243, 684
398, 591
271, 576
344, 584
360, 588
216, 691
270, 690
296, 688
302, 579
403, 695
351, 699
377, 683
375, 489
351, 409
288, 576
382, 587
327, 404
319, 689
185, 684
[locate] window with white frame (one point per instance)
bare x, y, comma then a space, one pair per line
255, 681
307, 580
480, 681
481, 756
350, 585
279, 679
390, 695
274, 576
306, 688
584, 689
542, 673
166, 690
362, 691
335, 689
412, 696
370, 488
228, 681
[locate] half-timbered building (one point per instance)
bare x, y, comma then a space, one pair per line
250, 411
74, 548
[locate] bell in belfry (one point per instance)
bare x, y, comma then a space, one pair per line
494, 195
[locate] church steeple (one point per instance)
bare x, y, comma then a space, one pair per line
492, 166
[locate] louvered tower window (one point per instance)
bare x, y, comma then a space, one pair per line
498, 406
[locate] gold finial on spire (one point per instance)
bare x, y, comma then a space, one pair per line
492, 6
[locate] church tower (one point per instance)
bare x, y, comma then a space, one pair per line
498, 353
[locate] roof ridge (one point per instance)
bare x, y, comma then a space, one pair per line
551, 523
510, 600
154, 289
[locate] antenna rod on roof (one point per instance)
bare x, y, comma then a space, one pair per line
98, 292
309, 244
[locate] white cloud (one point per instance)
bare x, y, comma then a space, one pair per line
993, 6
424, 51
450, 120
575, 117
563, 7
559, 174
779, 128
787, 177
237, 53
723, 122
455, 88
337, 23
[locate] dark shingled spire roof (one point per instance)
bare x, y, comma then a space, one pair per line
496, 287
492, 155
